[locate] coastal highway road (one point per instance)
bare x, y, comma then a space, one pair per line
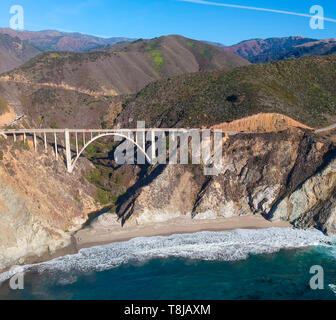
331, 127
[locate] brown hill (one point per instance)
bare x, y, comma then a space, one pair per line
124, 69
14, 52
52, 40
273, 49
57, 107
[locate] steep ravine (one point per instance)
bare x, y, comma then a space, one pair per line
288, 175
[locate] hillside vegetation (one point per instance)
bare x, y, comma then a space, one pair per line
303, 89
126, 68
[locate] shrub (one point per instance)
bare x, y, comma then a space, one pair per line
103, 196
53, 125
93, 148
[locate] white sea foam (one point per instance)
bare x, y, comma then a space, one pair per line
332, 288
225, 245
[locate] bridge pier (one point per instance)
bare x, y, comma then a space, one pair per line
35, 143
153, 146
68, 151
45, 142
56, 152
77, 150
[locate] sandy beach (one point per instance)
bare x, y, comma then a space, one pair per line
106, 230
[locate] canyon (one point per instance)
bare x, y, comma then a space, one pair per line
276, 169
283, 176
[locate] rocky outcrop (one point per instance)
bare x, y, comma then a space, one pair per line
40, 204
313, 203
288, 175
172, 193
260, 173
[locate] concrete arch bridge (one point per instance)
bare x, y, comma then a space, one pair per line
88, 136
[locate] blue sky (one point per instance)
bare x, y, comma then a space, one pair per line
152, 18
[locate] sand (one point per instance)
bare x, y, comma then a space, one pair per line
106, 229
103, 232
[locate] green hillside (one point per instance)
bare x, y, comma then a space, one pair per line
304, 89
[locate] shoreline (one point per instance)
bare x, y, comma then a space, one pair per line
107, 230
102, 232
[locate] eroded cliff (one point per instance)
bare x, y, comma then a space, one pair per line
288, 175
261, 174
40, 204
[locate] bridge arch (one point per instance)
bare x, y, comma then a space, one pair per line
72, 164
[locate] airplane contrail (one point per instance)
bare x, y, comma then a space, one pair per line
209, 3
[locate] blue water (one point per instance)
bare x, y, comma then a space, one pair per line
241, 264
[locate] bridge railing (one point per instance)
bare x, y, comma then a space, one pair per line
94, 134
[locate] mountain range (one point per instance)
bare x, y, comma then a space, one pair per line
182, 81
127, 68
14, 52
69, 81
17, 47
274, 49
53, 40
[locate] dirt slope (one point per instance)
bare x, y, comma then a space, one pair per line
128, 68
14, 52
261, 122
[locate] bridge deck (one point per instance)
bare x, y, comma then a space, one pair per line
102, 131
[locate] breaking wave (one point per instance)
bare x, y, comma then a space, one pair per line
212, 246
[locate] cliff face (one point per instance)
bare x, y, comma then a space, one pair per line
260, 172
288, 175
40, 204
313, 203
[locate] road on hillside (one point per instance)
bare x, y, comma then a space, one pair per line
331, 127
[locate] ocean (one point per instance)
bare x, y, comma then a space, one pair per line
239, 264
